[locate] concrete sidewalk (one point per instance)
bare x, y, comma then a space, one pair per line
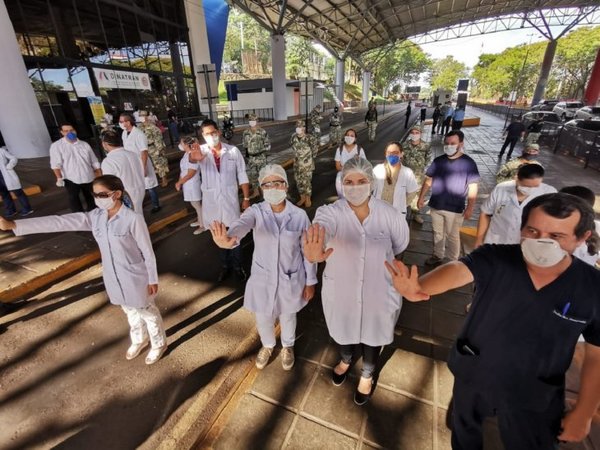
301, 409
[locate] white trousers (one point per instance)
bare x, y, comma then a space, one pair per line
144, 322
446, 233
266, 329
198, 207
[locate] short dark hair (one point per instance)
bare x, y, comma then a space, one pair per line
460, 134
561, 206
207, 123
581, 192
111, 182
112, 138
128, 117
529, 171
65, 124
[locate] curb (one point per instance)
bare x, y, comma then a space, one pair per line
73, 265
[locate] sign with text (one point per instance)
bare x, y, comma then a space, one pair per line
121, 79
97, 108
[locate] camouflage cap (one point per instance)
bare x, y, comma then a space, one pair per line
415, 127
252, 117
532, 147
300, 123
143, 113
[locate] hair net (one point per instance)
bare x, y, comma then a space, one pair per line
358, 165
272, 169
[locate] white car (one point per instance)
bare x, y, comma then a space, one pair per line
588, 112
567, 110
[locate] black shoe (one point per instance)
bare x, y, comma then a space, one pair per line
500, 156
240, 273
26, 213
155, 209
10, 215
224, 274
360, 398
338, 379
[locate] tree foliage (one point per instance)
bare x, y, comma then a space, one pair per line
446, 72
242, 28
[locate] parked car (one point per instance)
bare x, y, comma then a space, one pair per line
532, 116
566, 110
588, 112
544, 105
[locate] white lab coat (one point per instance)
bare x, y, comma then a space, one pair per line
128, 262
279, 270
7, 164
220, 200
406, 184
343, 157
359, 300
126, 165
506, 212
136, 142
191, 188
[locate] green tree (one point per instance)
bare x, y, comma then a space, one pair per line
446, 72
243, 29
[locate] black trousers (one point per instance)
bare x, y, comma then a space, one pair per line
519, 430
73, 190
446, 125
435, 121
457, 124
406, 121
512, 141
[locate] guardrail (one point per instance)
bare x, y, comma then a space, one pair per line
579, 143
500, 110
240, 116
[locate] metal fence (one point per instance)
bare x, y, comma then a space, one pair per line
579, 143
240, 116
500, 110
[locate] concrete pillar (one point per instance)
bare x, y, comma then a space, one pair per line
340, 78
21, 122
279, 80
545, 72
366, 87
199, 51
592, 91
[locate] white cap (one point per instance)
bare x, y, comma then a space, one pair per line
272, 169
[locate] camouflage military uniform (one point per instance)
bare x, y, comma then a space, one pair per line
257, 145
371, 119
156, 148
335, 128
509, 170
315, 123
304, 163
417, 157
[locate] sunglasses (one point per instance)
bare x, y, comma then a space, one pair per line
103, 194
273, 184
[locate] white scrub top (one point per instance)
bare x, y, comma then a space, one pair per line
191, 188
279, 270
126, 165
581, 252
220, 200
359, 300
7, 164
506, 212
136, 142
406, 184
128, 261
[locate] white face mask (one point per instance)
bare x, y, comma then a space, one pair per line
527, 191
450, 150
104, 203
252, 123
414, 137
274, 196
542, 252
142, 119
300, 131
122, 126
211, 140
349, 140
357, 195
181, 147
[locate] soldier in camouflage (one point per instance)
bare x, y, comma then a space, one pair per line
305, 147
335, 128
314, 118
256, 142
371, 120
156, 147
509, 170
417, 155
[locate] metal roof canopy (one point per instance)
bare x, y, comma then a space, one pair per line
352, 27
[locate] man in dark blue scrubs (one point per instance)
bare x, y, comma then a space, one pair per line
532, 301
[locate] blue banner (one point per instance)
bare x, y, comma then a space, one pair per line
216, 13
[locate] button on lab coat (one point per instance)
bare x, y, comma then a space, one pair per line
7, 164
136, 142
279, 270
406, 184
359, 301
220, 200
126, 165
128, 262
506, 212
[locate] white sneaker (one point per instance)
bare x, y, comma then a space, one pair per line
155, 354
200, 230
287, 358
194, 224
135, 349
262, 359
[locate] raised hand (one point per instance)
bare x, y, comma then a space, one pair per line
314, 244
6, 225
196, 153
406, 281
219, 234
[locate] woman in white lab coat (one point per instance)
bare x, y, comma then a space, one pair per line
129, 265
189, 181
282, 281
356, 235
348, 150
9, 182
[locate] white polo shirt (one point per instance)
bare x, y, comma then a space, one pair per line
506, 212
76, 160
135, 141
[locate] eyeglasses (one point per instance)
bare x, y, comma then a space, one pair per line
273, 184
103, 194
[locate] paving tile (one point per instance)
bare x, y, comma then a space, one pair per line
287, 387
409, 372
255, 424
444, 434
445, 384
311, 341
334, 404
398, 422
416, 246
415, 316
411, 258
446, 325
308, 434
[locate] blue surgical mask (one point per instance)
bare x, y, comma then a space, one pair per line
393, 159
71, 135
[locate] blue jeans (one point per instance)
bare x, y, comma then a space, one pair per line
174, 132
231, 258
370, 356
9, 204
154, 197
